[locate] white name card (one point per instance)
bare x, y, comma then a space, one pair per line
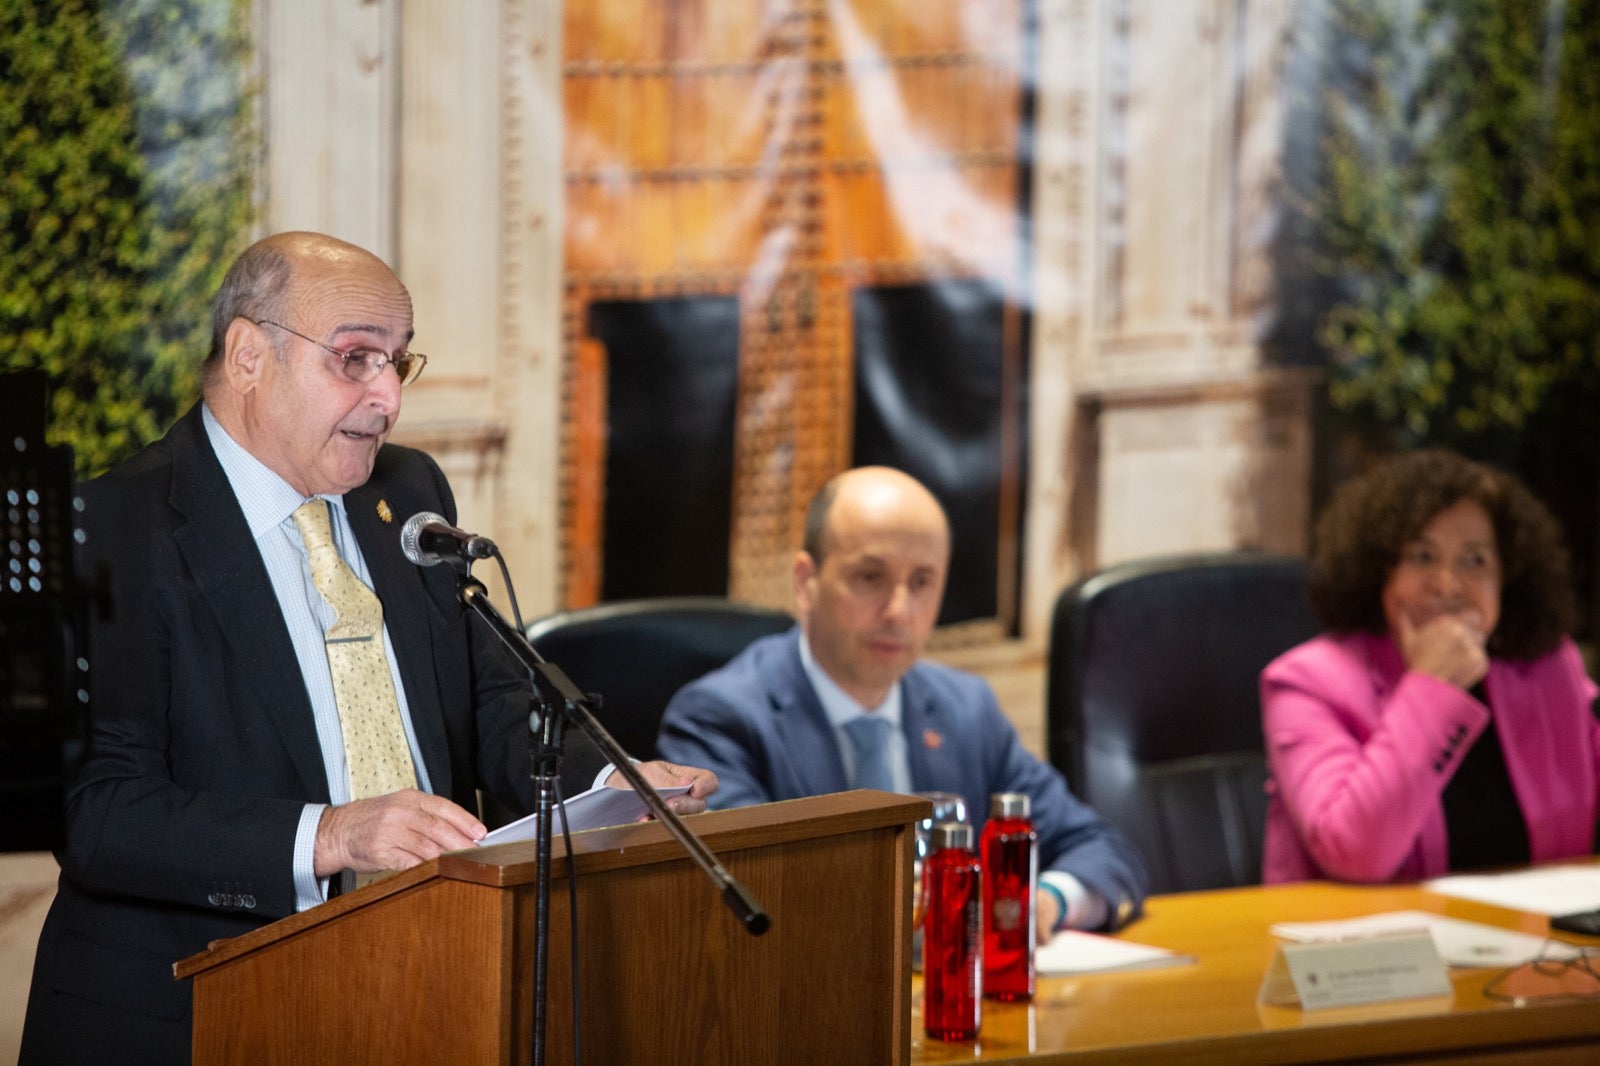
1350, 972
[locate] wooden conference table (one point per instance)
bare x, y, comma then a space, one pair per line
1207, 1011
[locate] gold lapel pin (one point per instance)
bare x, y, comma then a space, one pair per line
384, 512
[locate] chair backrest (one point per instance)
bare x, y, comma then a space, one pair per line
635, 654
1153, 704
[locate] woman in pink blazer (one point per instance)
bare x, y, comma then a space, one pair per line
1443, 722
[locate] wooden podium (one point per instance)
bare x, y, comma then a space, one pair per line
435, 965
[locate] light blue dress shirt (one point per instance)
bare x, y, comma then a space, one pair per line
269, 503
841, 707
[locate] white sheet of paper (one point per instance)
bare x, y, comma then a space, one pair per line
1547, 890
600, 806
1460, 943
1071, 951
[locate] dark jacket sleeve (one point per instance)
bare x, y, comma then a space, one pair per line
156, 810
703, 727
1073, 838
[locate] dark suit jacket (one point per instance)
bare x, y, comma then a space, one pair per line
203, 750
758, 724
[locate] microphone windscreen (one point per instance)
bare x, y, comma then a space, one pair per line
411, 537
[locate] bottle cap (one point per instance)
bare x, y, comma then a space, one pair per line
951, 835
1009, 805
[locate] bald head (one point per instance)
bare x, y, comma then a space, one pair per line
287, 316
881, 489
262, 282
870, 580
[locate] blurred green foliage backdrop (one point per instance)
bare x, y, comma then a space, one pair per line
1446, 239
126, 156
1458, 214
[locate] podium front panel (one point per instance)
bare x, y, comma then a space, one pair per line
436, 964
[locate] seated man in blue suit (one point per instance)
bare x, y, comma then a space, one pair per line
778, 721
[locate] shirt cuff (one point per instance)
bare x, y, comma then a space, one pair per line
1085, 910
600, 778
309, 889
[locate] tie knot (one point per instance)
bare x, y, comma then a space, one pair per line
358, 609
312, 519
868, 731
869, 735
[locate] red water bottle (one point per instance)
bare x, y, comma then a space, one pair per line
1009, 851
952, 936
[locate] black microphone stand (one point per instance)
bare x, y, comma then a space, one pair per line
555, 699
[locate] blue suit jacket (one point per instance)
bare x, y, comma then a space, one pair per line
758, 723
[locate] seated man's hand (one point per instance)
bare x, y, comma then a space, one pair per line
669, 775
393, 832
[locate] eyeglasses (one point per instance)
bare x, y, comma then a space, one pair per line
362, 365
1559, 972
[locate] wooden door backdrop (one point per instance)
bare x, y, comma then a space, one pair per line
794, 242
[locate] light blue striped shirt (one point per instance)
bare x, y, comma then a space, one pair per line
269, 503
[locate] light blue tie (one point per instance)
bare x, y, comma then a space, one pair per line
869, 735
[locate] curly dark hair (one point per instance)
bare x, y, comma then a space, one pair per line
1371, 518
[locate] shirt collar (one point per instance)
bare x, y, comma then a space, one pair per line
837, 704
266, 499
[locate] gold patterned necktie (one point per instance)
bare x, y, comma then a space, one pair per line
375, 748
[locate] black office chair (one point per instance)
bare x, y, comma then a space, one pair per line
637, 653
1153, 707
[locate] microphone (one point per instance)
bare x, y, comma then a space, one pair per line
427, 539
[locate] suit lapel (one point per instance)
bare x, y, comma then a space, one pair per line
216, 545
1385, 666
807, 737
930, 750
405, 614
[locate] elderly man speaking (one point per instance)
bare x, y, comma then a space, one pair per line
282, 703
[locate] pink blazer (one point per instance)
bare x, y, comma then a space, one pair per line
1360, 749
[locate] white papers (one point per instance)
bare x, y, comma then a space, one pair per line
1460, 943
600, 806
1547, 890
1071, 951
